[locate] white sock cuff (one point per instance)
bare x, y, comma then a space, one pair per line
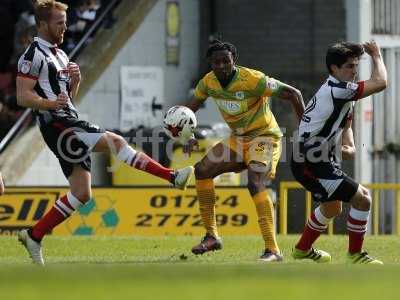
63, 209
126, 154
359, 214
320, 217
75, 203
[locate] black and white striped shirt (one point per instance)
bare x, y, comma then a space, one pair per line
327, 112
47, 64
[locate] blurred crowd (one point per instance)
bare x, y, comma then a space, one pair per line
18, 30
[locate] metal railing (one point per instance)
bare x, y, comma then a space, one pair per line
17, 127
21, 123
92, 29
375, 189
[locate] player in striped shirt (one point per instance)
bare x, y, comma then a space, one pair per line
325, 135
242, 96
47, 82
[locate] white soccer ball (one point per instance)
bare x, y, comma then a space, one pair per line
179, 123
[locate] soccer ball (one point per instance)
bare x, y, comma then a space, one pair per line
179, 123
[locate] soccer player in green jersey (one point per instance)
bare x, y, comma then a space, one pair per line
242, 96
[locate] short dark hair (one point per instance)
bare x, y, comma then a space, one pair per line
340, 52
217, 45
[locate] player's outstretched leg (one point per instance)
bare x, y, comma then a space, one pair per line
206, 195
141, 161
316, 224
182, 176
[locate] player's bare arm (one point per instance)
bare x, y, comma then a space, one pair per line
192, 144
348, 146
289, 93
27, 97
378, 80
75, 74
194, 104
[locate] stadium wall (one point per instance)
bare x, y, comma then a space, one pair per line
286, 40
147, 48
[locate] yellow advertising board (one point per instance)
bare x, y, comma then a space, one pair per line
137, 211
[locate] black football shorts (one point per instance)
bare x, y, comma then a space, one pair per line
71, 140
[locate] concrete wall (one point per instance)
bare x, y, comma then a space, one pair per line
147, 48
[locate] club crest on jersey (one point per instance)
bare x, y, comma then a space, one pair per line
63, 75
239, 95
271, 84
26, 66
352, 86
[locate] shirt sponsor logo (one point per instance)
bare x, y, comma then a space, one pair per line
232, 107
239, 95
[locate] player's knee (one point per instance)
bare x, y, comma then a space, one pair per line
257, 167
331, 209
201, 171
118, 141
83, 196
115, 140
255, 186
362, 200
337, 210
366, 199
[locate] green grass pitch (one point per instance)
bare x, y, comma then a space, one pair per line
163, 268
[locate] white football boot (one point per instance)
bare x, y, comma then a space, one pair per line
182, 177
34, 248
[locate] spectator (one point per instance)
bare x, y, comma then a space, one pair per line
81, 19
25, 31
6, 37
